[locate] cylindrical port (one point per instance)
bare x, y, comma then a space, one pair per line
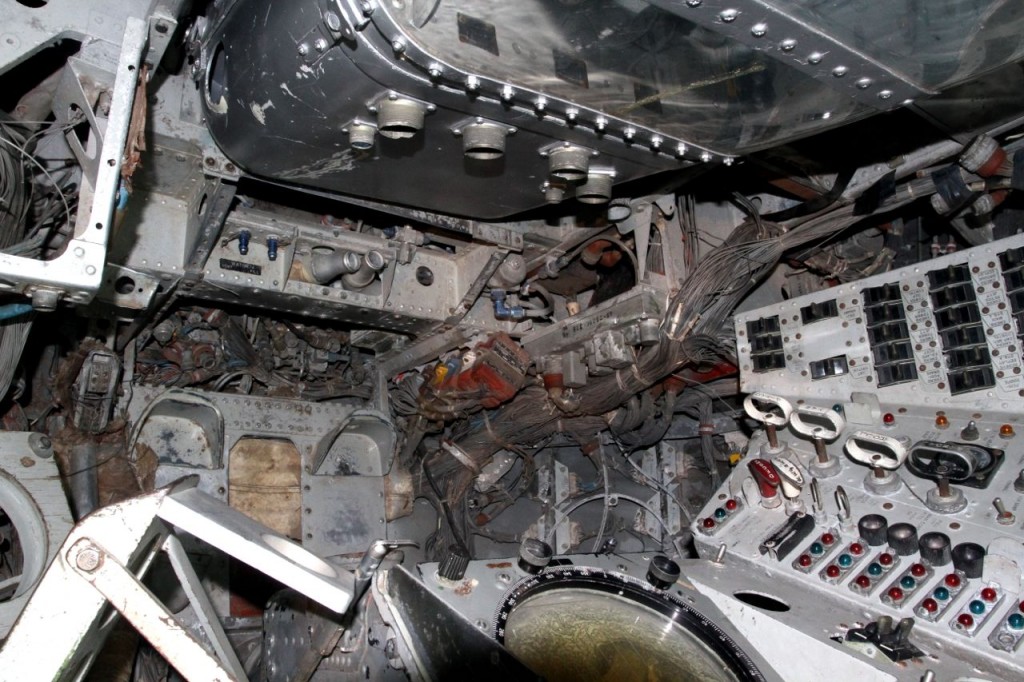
596, 190
327, 266
569, 163
554, 192
361, 135
484, 141
399, 119
373, 262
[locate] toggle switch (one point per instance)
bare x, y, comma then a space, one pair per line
791, 483
773, 412
821, 424
768, 482
884, 454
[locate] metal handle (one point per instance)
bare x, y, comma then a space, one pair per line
877, 455
768, 416
816, 430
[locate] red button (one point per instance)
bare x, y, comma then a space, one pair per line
888, 419
832, 571
895, 593
863, 582
953, 580
965, 619
930, 605
731, 505
917, 570
988, 594
804, 560
856, 548
828, 539
885, 559
709, 523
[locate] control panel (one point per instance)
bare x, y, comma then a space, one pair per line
885, 487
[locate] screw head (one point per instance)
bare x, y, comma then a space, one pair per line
728, 15
472, 83
434, 70
863, 83
815, 58
629, 133
839, 71
885, 94
303, 49
320, 44
507, 92
694, 3
601, 123
705, 157
758, 30
88, 559
788, 45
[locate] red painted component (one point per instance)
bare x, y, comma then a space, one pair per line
988, 594
953, 580
888, 419
857, 549
832, 571
885, 559
708, 523
930, 605
731, 505
863, 581
766, 477
804, 560
965, 619
828, 539
895, 593
918, 570
498, 372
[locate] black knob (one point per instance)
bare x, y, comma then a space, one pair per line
534, 555
969, 558
935, 549
453, 565
873, 529
662, 572
903, 538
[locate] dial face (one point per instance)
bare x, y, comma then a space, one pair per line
581, 624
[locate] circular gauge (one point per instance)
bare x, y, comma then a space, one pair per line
572, 624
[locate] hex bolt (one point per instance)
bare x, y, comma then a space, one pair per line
88, 559
1005, 516
272, 248
243, 242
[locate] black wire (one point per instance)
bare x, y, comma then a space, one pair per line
449, 517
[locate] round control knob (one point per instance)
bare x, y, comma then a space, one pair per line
534, 555
454, 564
662, 572
935, 549
903, 538
969, 557
874, 529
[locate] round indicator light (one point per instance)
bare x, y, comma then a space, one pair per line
1016, 621
804, 560
856, 549
885, 559
874, 569
930, 605
719, 513
977, 607
895, 593
828, 538
988, 594
816, 548
953, 580
832, 571
731, 505
844, 560
965, 619
888, 419
708, 523
941, 593
942, 421
918, 570
907, 582
863, 582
